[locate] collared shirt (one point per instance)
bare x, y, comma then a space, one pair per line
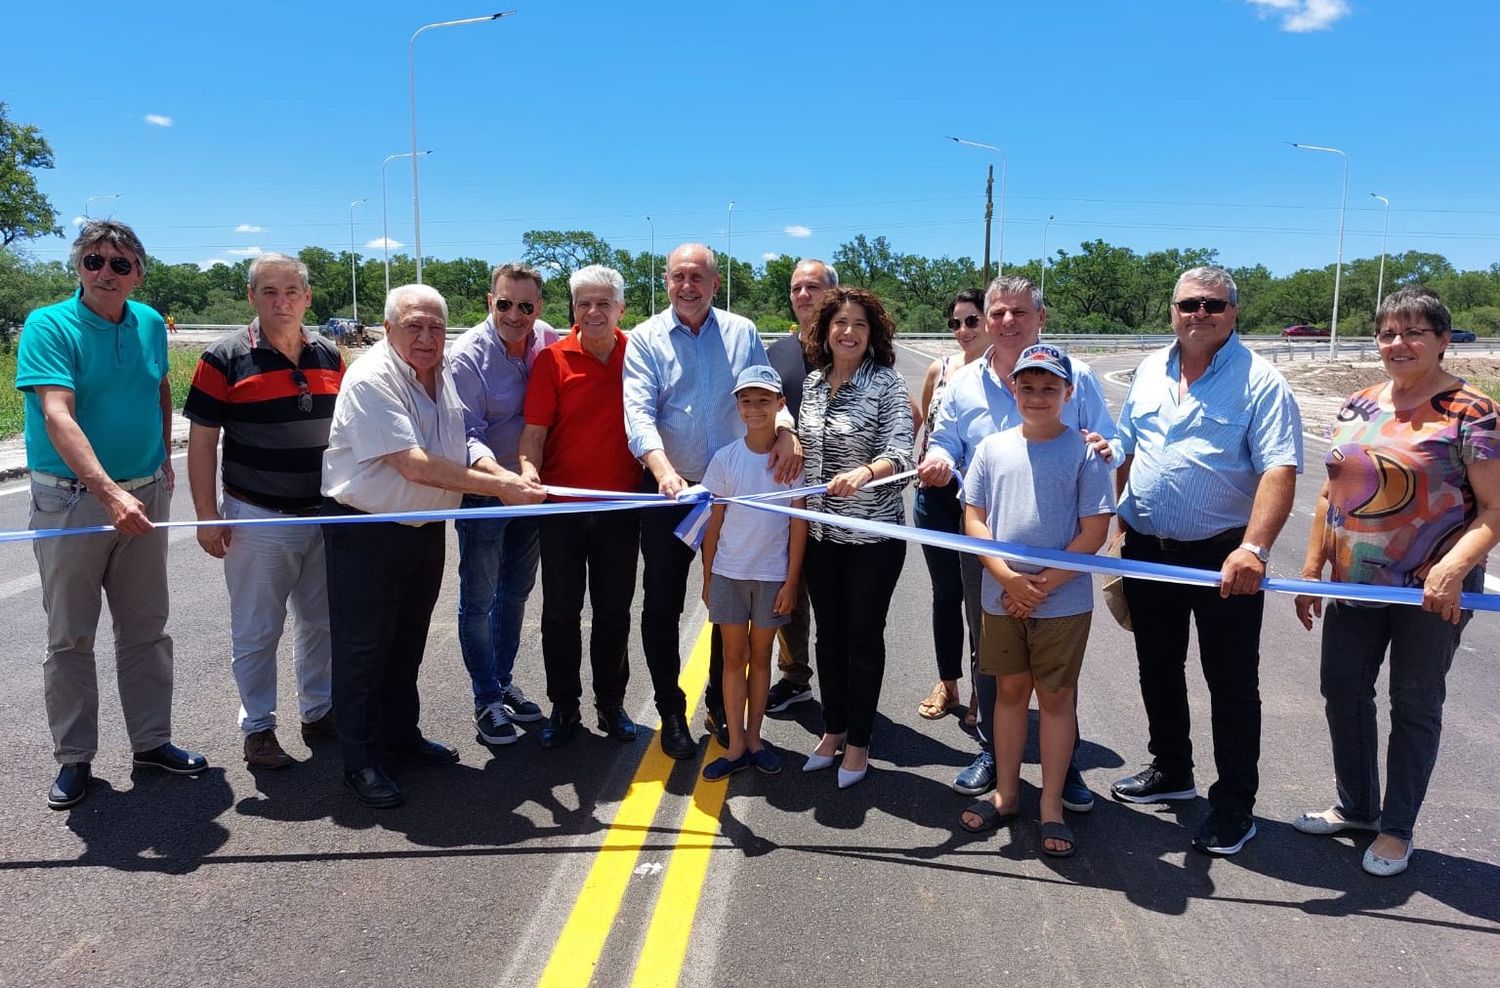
977, 404
383, 408
115, 372
492, 388
679, 386
578, 399
1199, 459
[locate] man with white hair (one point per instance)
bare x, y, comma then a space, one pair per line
397, 445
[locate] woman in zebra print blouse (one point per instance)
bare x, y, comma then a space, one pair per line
856, 428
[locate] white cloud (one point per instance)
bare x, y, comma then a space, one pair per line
157, 120
205, 265
249, 228
383, 242
1302, 16
769, 256
797, 230
79, 220
245, 251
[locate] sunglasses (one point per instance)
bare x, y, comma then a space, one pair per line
1213, 306
504, 305
119, 265
968, 322
304, 391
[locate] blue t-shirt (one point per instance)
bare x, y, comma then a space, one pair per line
115, 372
1034, 493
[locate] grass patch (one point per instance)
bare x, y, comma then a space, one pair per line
1489, 385
181, 362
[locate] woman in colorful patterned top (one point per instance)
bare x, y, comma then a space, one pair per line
856, 428
1412, 500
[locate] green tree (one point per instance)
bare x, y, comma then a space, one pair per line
24, 211
561, 252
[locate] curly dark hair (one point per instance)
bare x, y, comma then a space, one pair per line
882, 330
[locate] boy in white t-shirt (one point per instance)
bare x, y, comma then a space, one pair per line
752, 560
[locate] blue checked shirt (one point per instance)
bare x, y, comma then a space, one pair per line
1198, 461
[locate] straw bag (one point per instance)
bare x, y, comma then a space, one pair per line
1113, 587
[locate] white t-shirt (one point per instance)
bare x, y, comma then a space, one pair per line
752, 543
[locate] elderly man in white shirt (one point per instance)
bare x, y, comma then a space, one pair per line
397, 444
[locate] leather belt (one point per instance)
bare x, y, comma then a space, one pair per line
1234, 535
74, 484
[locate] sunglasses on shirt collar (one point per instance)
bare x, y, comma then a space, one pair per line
304, 391
119, 265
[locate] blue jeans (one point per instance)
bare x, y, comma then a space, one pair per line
497, 560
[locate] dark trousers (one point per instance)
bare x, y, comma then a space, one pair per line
597, 551
383, 581
955, 600
667, 562
851, 587
1229, 651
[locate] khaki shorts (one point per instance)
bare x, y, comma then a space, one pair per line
1051, 649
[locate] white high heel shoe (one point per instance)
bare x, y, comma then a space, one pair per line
848, 778
816, 762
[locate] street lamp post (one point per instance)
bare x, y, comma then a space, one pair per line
411, 97
1338, 264
385, 232
729, 282
652, 268
1380, 282
354, 261
1004, 172
112, 195
1045, 227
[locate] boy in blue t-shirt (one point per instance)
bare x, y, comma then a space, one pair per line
752, 560
1041, 485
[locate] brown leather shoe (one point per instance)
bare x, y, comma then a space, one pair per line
263, 751
322, 729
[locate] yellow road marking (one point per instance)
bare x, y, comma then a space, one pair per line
582, 939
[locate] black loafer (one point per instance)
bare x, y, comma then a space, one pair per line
615, 722
718, 725
426, 750
170, 758
374, 788
676, 741
560, 728
71, 786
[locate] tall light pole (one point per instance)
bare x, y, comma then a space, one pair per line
411, 97
354, 261
1045, 227
385, 233
729, 283
112, 195
1004, 171
1338, 264
652, 279
1380, 282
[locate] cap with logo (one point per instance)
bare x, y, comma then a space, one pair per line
762, 376
1044, 356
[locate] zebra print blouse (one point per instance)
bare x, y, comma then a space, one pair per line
867, 419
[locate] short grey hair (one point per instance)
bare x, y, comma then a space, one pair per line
112, 232
597, 276
1214, 278
404, 295
1415, 302
829, 274
713, 260
275, 260
1014, 284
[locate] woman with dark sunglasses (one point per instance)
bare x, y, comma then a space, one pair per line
937, 509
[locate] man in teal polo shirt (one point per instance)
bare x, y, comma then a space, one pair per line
98, 421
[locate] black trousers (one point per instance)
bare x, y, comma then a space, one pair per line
383, 581
851, 588
668, 561
1229, 651
596, 551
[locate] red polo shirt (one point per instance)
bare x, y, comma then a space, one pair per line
581, 401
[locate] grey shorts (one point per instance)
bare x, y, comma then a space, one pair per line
732, 601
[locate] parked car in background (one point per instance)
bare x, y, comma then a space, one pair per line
1462, 336
1302, 332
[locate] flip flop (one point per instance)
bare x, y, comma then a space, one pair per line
1056, 830
989, 817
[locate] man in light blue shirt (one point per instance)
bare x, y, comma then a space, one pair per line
680, 369
1212, 439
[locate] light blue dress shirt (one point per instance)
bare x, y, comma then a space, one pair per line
1199, 460
679, 386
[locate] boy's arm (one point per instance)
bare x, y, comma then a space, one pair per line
1026, 589
796, 549
1092, 531
711, 545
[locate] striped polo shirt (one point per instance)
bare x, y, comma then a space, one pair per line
275, 416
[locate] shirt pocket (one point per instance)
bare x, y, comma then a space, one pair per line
1223, 428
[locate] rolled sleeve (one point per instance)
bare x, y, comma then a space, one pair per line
945, 441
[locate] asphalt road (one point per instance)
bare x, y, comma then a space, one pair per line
522, 866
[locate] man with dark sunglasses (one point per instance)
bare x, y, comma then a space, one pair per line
497, 557
93, 369
1212, 439
270, 389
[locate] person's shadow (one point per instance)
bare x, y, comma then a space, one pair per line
162, 823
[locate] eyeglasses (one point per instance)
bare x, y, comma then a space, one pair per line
304, 391
504, 305
1213, 306
1417, 335
119, 265
970, 321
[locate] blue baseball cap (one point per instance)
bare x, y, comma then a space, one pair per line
1044, 356
762, 376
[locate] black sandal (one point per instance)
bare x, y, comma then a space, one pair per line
1057, 830
989, 817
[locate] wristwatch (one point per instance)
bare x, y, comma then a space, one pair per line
1260, 552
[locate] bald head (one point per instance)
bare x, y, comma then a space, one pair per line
692, 282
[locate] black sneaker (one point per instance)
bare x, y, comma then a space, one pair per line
494, 726
1152, 785
518, 707
784, 693
1224, 832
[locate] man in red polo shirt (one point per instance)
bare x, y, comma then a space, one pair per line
575, 437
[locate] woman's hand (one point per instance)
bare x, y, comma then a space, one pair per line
850, 481
1441, 589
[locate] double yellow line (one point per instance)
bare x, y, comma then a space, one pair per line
582, 940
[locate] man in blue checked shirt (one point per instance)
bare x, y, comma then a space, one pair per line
1212, 439
680, 369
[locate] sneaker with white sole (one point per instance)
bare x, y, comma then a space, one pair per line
784, 693
1152, 785
518, 707
493, 725
1224, 832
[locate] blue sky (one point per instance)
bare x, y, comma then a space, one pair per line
1150, 123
